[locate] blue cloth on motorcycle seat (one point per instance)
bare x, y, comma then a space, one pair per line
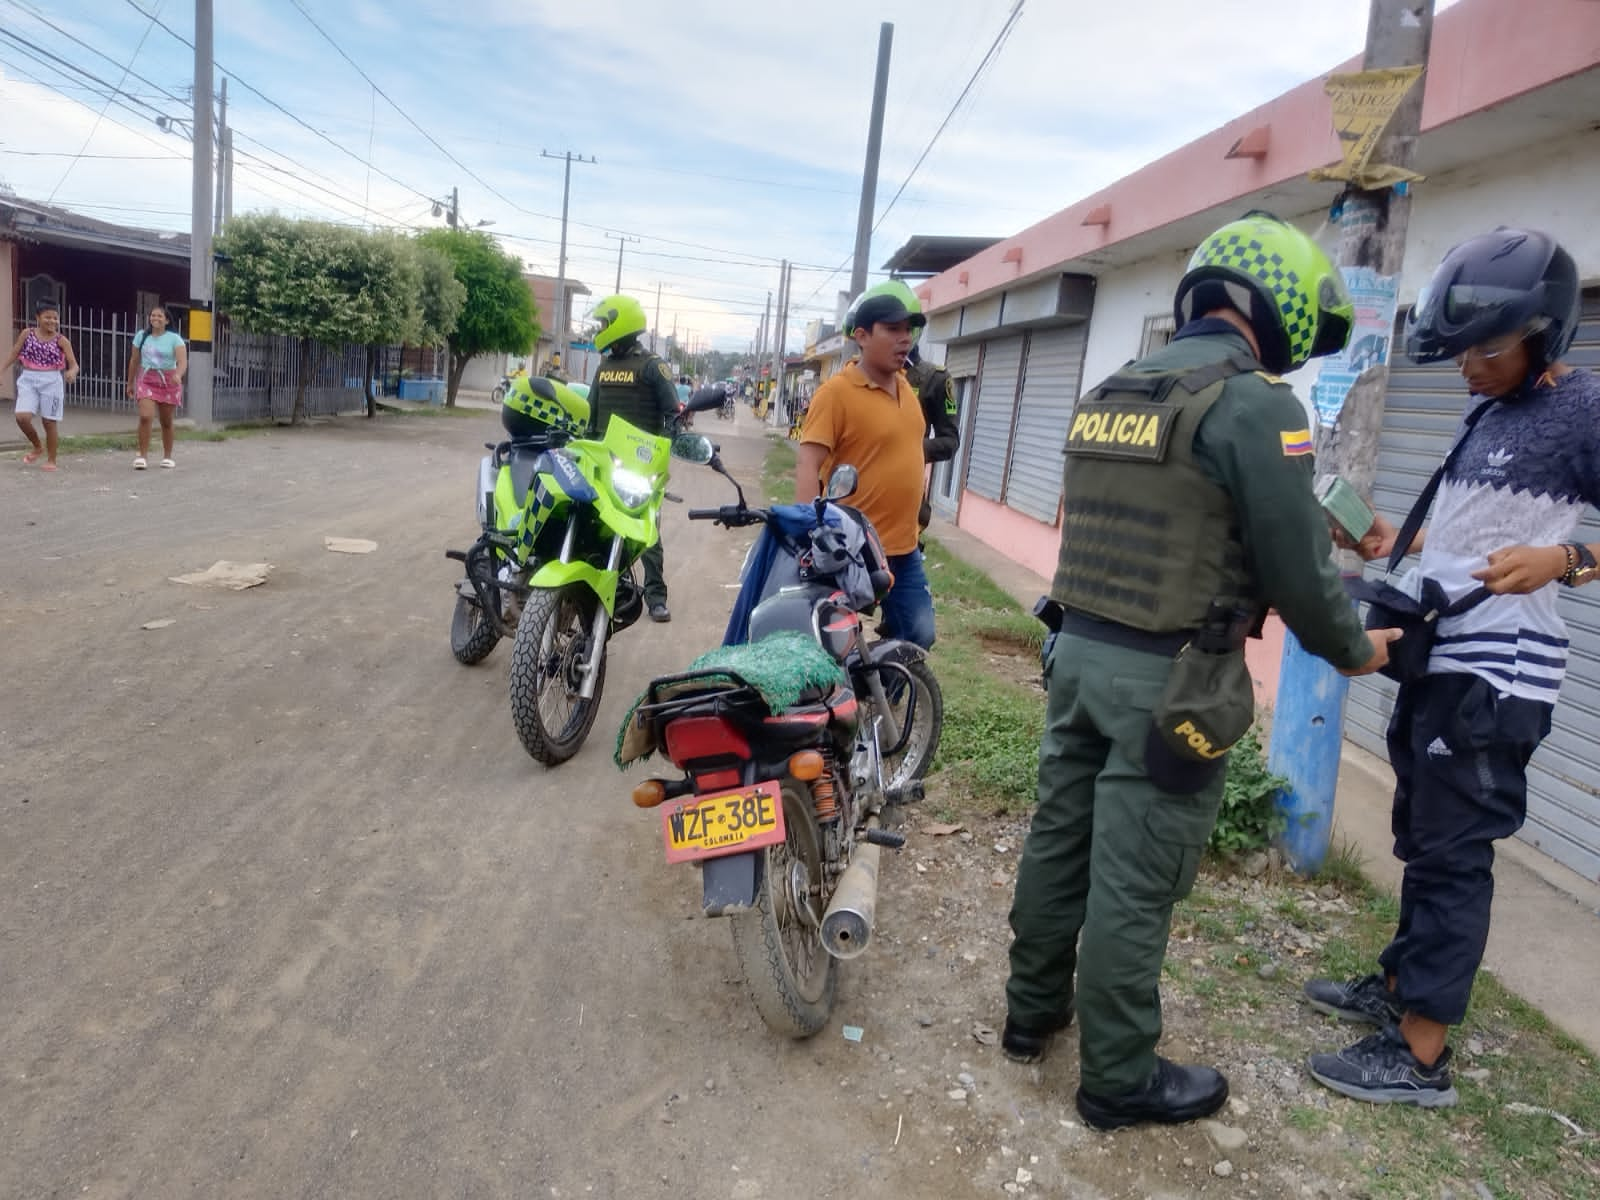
794, 521
782, 667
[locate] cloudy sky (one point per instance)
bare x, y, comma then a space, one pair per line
726, 135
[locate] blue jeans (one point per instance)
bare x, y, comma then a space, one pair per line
908, 608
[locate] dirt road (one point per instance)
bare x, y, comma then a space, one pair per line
288, 911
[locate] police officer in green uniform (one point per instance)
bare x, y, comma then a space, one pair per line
637, 386
1189, 512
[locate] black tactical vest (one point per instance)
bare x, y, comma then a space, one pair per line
1148, 539
623, 388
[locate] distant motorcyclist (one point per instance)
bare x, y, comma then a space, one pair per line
637, 386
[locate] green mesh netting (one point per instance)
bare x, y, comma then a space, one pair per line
781, 666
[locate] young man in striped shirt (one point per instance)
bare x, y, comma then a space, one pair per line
1505, 307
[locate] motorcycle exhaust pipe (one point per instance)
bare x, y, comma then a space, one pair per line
847, 925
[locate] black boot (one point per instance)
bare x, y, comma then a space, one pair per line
1174, 1094
1022, 1044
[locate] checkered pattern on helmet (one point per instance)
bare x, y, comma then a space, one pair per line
550, 412
1240, 252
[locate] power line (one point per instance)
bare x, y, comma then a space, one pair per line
249, 87
994, 48
100, 116
40, 17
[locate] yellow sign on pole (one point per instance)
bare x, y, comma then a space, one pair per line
1363, 104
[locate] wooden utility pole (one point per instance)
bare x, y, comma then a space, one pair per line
1373, 214
200, 279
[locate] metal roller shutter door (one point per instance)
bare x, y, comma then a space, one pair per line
1422, 411
1049, 392
962, 361
991, 422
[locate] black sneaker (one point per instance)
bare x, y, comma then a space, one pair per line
1380, 1068
1367, 999
1022, 1044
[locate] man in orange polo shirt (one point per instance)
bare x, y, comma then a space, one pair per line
869, 417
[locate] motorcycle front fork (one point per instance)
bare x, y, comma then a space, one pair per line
602, 620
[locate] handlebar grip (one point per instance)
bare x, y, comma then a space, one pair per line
704, 514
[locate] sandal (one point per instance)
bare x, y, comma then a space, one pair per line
139, 463
168, 463
31, 457
47, 466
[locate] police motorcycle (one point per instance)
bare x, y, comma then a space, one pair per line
595, 508
793, 757
539, 415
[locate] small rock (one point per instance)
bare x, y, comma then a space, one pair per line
1267, 970
1024, 1176
957, 1094
964, 836
1477, 1074
1288, 1085
1254, 864
1238, 1107
924, 1020
1187, 1161
711, 1085
1223, 1169
1002, 848
1475, 1046
1328, 892
965, 1079
1007, 1152
1225, 1137
159, 623
1012, 1189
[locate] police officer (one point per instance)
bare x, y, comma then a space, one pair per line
635, 385
1189, 512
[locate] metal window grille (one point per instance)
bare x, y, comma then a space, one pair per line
1158, 331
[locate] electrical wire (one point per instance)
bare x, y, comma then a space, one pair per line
100, 116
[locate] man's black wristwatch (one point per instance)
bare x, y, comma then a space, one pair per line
1583, 567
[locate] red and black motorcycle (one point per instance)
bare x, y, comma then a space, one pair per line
795, 739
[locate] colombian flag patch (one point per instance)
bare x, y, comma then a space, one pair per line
1295, 442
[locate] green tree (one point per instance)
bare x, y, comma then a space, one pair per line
318, 282
498, 316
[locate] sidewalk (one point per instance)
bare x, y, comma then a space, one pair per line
75, 422
1544, 941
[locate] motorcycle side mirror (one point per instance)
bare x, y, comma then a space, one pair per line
693, 447
842, 483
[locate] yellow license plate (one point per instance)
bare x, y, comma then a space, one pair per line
698, 827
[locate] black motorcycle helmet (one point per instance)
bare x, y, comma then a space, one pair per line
1498, 283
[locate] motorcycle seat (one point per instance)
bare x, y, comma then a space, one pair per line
524, 466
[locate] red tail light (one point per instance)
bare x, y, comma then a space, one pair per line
691, 738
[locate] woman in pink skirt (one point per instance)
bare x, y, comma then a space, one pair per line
156, 368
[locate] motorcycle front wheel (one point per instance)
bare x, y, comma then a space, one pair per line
547, 656
913, 759
472, 634
791, 978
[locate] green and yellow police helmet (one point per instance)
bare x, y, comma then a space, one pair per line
581, 390
536, 406
615, 318
1279, 280
890, 301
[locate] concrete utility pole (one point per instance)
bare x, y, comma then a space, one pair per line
561, 327
1307, 727
622, 240
222, 156
655, 329
869, 177
780, 332
200, 282
452, 216
761, 330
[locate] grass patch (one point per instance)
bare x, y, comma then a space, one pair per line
777, 471
91, 442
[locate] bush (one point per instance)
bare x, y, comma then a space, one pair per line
1249, 818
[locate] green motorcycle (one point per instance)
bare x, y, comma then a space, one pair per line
595, 505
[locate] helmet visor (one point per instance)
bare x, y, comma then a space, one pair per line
1468, 304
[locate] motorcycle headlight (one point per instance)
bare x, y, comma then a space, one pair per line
632, 488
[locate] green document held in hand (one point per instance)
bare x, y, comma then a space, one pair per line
1345, 507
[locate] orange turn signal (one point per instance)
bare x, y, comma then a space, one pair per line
649, 793
806, 765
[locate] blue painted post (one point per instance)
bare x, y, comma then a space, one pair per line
1307, 736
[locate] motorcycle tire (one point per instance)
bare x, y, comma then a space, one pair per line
791, 977
498, 394
912, 760
551, 641
472, 637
